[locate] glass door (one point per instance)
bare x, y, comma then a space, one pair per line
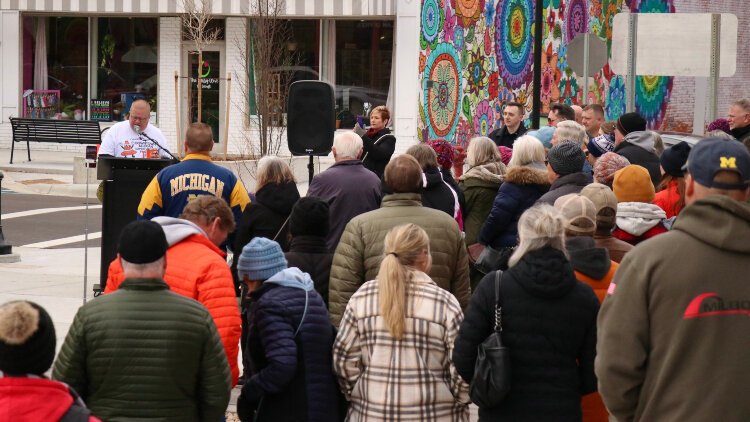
211, 108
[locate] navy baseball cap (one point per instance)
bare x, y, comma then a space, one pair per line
712, 155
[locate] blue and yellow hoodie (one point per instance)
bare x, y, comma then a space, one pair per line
171, 190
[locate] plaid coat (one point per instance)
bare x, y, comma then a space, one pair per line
412, 379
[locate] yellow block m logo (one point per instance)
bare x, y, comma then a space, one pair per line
728, 162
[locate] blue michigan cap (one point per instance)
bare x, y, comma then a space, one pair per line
712, 155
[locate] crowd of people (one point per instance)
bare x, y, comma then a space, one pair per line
616, 264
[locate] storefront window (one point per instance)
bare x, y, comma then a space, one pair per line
55, 68
364, 53
126, 62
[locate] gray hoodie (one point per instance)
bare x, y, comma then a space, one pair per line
638, 147
177, 229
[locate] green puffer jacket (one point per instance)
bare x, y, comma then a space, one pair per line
358, 255
480, 185
144, 352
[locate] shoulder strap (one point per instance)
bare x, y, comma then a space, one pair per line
498, 308
304, 313
282, 227
77, 412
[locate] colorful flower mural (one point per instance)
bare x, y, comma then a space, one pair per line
477, 55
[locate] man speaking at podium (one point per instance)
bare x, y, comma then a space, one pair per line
136, 137
171, 190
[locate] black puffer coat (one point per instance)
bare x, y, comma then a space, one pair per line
549, 324
310, 254
264, 217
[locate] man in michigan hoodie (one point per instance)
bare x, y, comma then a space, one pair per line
674, 329
197, 268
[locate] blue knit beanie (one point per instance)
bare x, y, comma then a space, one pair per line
260, 259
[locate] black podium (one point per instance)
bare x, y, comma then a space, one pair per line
125, 179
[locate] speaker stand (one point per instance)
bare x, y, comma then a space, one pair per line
310, 169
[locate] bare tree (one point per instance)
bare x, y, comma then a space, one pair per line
267, 64
195, 19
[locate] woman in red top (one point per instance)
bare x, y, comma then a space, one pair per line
671, 195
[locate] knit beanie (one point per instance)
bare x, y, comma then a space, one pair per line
566, 158
633, 184
445, 152
602, 197
606, 166
27, 338
631, 122
260, 259
142, 242
598, 145
579, 213
674, 158
544, 134
309, 217
505, 154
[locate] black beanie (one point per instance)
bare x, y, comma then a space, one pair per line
27, 339
631, 122
309, 217
566, 158
674, 158
142, 242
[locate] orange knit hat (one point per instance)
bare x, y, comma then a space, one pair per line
633, 184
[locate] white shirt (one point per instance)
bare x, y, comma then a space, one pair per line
122, 141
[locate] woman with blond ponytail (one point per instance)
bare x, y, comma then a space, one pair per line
392, 353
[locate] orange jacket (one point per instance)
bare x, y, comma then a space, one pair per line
591, 404
196, 268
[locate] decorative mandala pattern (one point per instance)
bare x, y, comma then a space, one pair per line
483, 118
576, 19
432, 22
441, 100
458, 38
468, 11
476, 76
615, 105
514, 41
651, 98
464, 133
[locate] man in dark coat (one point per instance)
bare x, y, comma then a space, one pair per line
308, 226
512, 128
739, 120
348, 187
565, 171
635, 143
290, 342
145, 352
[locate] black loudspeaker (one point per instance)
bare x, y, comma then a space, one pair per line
311, 119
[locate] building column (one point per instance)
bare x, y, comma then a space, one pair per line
236, 54
10, 71
170, 60
406, 81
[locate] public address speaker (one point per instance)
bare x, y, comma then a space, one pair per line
311, 119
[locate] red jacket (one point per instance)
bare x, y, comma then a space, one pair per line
196, 268
667, 199
34, 399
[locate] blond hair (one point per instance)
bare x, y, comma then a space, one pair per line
526, 150
403, 245
539, 226
273, 170
482, 150
383, 112
569, 130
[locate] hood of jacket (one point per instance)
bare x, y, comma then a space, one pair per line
525, 175
644, 139
544, 273
719, 221
292, 277
586, 258
176, 229
489, 173
637, 218
279, 197
431, 178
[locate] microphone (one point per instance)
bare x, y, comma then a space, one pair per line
140, 132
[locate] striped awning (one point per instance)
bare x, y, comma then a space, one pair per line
316, 8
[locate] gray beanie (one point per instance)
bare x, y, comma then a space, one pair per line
566, 158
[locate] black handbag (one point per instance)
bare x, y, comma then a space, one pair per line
491, 381
492, 259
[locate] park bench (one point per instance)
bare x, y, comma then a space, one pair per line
56, 131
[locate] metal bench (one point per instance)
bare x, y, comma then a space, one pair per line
56, 131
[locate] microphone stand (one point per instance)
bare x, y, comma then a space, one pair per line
158, 146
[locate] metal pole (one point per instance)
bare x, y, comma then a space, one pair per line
86, 234
586, 53
537, 91
5, 248
715, 66
632, 50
